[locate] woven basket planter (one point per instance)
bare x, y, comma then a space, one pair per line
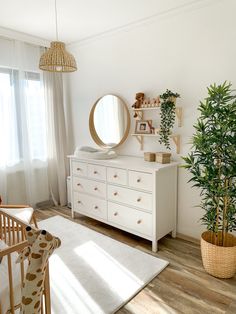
219, 261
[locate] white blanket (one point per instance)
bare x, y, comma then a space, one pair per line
24, 214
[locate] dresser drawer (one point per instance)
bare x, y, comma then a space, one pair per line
79, 168
130, 218
116, 175
140, 180
89, 186
130, 197
90, 205
97, 172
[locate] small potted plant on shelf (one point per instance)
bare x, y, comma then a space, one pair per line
212, 164
168, 101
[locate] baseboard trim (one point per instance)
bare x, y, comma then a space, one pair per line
187, 238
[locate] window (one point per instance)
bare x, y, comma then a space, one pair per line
22, 117
36, 115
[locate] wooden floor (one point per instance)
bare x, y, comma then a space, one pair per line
183, 287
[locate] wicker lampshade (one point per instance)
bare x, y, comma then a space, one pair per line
57, 59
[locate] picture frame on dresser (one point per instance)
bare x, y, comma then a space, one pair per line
127, 193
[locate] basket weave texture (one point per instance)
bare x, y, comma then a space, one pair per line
57, 59
149, 156
219, 261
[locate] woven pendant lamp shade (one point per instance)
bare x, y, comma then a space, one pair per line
57, 59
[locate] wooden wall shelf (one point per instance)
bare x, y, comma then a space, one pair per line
175, 138
178, 112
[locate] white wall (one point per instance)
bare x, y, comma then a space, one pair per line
184, 52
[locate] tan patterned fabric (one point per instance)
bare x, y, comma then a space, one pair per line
41, 246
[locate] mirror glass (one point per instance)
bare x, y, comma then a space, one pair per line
109, 121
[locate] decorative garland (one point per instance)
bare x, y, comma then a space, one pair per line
167, 116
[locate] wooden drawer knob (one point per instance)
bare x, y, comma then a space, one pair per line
95, 207
115, 176
139, 221
115, 193
78, 184
78, 169
115, 214
95, 172
139, 199
79, 202
138, 180
95, 189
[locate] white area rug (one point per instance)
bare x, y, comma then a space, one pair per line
92, 273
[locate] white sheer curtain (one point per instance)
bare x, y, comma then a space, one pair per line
32, 128
23, 148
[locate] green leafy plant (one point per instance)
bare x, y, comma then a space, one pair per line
212, 163
167, 116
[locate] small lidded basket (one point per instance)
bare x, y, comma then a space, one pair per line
163, 158
148, 156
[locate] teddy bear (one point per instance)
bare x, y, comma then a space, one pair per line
139, 100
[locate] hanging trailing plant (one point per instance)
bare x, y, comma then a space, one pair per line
167, 116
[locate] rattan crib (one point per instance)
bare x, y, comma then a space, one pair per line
12, 240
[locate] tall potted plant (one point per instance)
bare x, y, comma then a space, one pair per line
168, 100
212, 164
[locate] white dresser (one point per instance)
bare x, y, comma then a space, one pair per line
128, 193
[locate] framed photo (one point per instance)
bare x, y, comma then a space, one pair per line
143, 127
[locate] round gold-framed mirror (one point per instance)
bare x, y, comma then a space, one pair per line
109, 121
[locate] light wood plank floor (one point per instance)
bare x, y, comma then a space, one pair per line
183, 287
